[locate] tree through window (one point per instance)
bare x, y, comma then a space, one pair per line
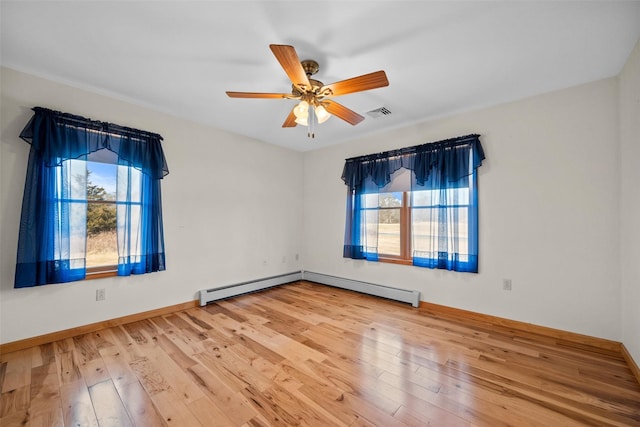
102, 242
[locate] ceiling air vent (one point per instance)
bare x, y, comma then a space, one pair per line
379, 112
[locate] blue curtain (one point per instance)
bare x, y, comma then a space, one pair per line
358, 243
50, 243
444, 203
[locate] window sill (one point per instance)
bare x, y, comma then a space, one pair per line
101, 272
395, 260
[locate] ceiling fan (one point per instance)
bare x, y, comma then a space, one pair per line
315, 105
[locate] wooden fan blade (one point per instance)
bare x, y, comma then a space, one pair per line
290, 122
356, 84
342, 112
290, 62
257, 95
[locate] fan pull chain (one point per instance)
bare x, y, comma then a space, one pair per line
312, 119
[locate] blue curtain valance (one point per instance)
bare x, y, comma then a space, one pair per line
58, 136
448, 158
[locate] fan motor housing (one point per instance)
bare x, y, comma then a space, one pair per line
310, 67
315, 87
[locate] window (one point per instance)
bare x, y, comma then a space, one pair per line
98, 178
92, 204
89, 180
415, 206
407, 223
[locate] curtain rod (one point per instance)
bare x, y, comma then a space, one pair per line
98, 126
410, 150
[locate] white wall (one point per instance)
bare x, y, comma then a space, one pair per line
229, 204
549, 211
630, 202
548, 205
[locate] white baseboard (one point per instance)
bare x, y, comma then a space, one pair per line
208, 295
397, 294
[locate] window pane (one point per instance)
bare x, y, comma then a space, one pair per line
72, 181
102, 244
370, 200
452, 196
424, 198
130, 243
129, 184
371, 230
431, 236
386, 200
102, 249
101, 181
74, 176
389, 223
424, 224
129, 212
389, 232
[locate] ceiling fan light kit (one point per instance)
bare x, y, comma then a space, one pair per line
313, 93
301, 111
321, 113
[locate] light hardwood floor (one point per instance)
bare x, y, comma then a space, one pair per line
307, 354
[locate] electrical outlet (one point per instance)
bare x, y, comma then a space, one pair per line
506, 284
101, 294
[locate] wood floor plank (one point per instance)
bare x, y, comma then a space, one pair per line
3, 372
236, 407
109, 409
16, 370
274, 412
127, 345
237, 371
85, 348
94, 372
139, 406
16, 419
178, 379
311, 355
149, 376
117, 364
68, 369
428, 415
174, 411
14, 401
176, 354
77, 408
51, 418
64, 346
45, 391
208, 414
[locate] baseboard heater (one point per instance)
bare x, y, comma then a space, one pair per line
229, 291
402, 295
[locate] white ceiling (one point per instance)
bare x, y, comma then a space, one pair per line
440, 57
